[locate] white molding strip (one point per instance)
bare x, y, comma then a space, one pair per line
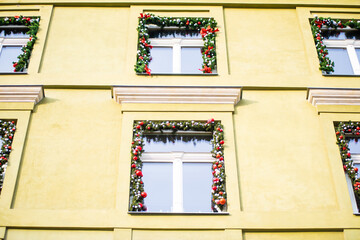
203, 95
334, 96
22, 94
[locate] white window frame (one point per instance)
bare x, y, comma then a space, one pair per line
177, 158
13, 41
176, 44
350, 45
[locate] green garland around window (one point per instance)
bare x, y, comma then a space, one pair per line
206, 27
7, 130
33, 24
319, 23
343, 131
137, 192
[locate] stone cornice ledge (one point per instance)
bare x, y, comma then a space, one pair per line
21, 94
166, 95
333, 96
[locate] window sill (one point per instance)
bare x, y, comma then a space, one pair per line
340, 75
179, 74
179, 213
13, 73
357, 214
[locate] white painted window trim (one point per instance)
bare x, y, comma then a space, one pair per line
350, 45
176, 44
177, 159
19, 42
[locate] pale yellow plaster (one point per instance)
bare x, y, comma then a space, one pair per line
72, 148
352, 234
21, 234
122, 234
294, 235
177, 235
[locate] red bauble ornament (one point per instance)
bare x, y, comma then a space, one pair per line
344, 167
10, 137
138, 173
9, 147
144, 194
217, 155
141, 123
139, 148
199, 23
173, 126
344, 148
219, 166
133, 165
349, 130
348, 154
221, 193
138, 127
12, 122
341, 137
356, 169
358, 128
337, 133
135, 153
140, 205
148, 128
222, 142
135, 158
221, 158
218, 129
222, 201
214, 166
215, 180
214, 188
141, 182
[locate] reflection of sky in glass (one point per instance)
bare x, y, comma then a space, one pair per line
171, 33
340, 35
191, 60
197, 182
341, 59
177, 143
8, 55
162, 60
354, 145
158, 185
14, 33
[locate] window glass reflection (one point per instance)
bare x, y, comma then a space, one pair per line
191, 60
8, 55
173, 33
177, 142
341, 60
162, 60
357, 50
197, 181
340, 35
354, 145
14, 33
158, 184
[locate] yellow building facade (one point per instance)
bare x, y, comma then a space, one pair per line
75, 106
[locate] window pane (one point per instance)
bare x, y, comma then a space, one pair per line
162, 60
354, 145
158, 185
9, 55
197, 180
191, 60
177, 142
358, 53
341, 59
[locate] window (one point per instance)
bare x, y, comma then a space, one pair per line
348, 134
343, 47
7, 130
169, 45
17, 39
177, 167
338, 45
11, 42
175, 50
177, 172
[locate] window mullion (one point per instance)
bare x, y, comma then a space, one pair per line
178, 183
353, 59
177, 56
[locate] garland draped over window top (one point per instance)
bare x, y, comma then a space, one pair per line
206, 27
137, 193
319, 23
33, 24
7, 130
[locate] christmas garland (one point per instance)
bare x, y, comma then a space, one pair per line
137, 192
319, 23
7, 130
33, 24
343, 131
206, 27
